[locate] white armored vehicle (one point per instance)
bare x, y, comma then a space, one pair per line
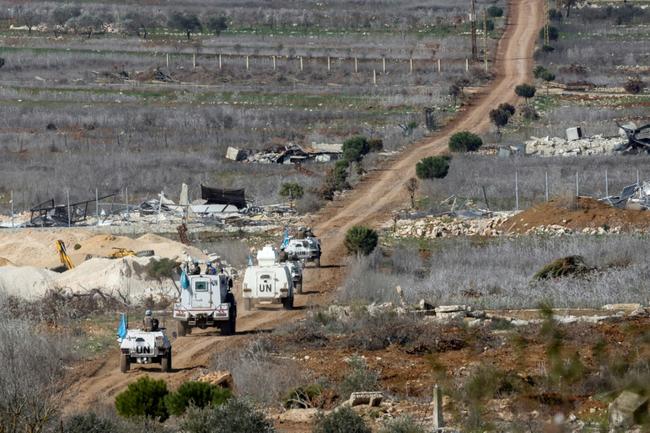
304, 247
148, 345
206, 300
269, 281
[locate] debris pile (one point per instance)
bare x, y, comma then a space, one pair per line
556, 146
292, 154
578, 215
489, 224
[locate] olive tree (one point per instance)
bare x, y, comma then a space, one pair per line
185, 22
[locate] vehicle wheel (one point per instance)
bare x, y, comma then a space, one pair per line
287, 303
181, 328
248, 304
317, 262
299, 288
125, 362
166, 362
145, 253
229, 328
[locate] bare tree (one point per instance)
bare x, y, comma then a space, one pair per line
411, 186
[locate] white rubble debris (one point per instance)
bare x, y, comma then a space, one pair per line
556, 146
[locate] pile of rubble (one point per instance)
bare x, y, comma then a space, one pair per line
556, 146
488, 224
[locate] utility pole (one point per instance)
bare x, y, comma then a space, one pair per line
485, 40
472, 23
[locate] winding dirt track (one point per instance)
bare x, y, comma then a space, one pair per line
371, 203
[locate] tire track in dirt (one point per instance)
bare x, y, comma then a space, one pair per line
370, 203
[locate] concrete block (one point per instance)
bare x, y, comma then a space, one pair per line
627, 409
372, 398
574, 133
234, 154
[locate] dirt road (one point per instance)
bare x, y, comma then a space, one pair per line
370, 203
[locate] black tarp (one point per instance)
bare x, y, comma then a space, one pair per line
233, 197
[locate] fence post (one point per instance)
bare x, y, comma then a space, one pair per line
438, 418
11, 200
219, 61
466, 64
606, 184
410, 66
516, 190
247, 63
273, 57
126, 200
160, 205
374, 77
356, 65
637, 177
577, 185
301, 65
67, 194
546, 185
167, 60
383, 65
97, 205
193, 60
329, 64
439, 68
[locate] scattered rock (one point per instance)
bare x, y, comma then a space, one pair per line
219, 378
621, 307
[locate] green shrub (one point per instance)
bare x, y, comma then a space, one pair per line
234, 416
361, 240
538, 71
529, 113
464, 141
292, 190
344, 420
553, 33
489, 24
359, 378
507, 107
432, 167
160, 269
145, 397
525, 91
554, 15
355, 148
302, 397
402, 424
499, 117
634, 85
199, 394
494, 11
563, 267
77, 246
89, 423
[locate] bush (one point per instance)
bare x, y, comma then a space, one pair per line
555, 15
199, 394
355, 148
553, 33
344, 420
464, 141
634, 86
292, 190
234, 416
566, 266
89, 423
489, 24
529, 113
160, 269
432, 167
302, 397
548, 48
402, 424
507, 107
145, 397
336, 180
525, 91
494, 11
499, 117
359, 378
361, 240
375, 145
538, 71
216, 24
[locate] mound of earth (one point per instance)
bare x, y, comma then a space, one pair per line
37, 247
577, 214
5, 262
124, 278
26, 282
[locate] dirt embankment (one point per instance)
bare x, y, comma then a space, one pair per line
578, 214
